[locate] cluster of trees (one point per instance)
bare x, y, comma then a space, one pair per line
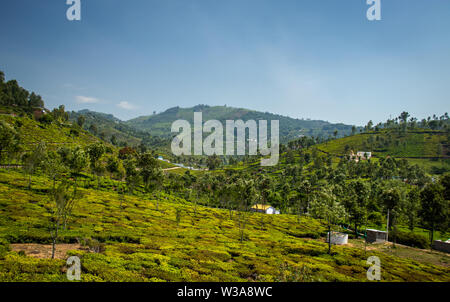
11, 94
405, 121
354, 193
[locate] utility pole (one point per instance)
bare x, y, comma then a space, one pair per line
387, 227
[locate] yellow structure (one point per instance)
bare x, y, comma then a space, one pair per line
267, 209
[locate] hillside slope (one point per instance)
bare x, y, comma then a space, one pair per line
160, 124
32, 132
429, 148
116, 131
138, 239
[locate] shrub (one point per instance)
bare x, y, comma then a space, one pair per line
410, 239
4, 247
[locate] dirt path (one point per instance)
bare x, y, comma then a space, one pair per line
44, 251
169, 169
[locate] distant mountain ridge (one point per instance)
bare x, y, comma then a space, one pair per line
290, 128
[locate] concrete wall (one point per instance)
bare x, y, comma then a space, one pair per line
441, 246
338, 238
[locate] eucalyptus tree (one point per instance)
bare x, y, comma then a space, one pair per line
412, 208
325, 206
246, 189
435, 209
358, 192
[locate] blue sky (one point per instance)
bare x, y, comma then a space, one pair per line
318, 59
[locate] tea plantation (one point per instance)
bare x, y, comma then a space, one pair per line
164, 238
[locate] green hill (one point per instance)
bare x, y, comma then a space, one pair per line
32, 132
111, 129
160, 124
429, 148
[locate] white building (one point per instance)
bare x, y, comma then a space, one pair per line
364, 154
267, 209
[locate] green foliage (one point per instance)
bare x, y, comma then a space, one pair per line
411, 239
9, 141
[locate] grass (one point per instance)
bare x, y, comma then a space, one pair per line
402, 251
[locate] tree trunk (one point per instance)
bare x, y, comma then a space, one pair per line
55, 237
329, 240
431, 238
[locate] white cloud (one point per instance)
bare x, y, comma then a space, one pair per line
126, 106
86, 100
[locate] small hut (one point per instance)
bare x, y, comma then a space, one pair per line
442, 246
376, 236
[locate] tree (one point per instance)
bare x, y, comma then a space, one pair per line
93, 129
35, 101
391, 199
95, 152
81, 120
60, 114
326, 207
131, 174
76, 159
34, 160
412, 207
247, 192
445, 182
63, 199
54, 166
9, 141
356, 202
112, 165
150, 171
434, 210
404, 116
213, 162
114, 140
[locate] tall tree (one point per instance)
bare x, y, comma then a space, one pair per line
63, 199
434, 211
325, 206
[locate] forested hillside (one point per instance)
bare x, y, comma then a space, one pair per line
290, 128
